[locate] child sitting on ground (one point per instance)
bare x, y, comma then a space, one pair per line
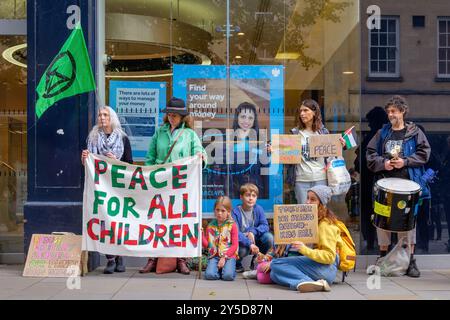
221, 239
262, 260
253, 228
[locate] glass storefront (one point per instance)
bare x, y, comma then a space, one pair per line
13, 133
274, 55
219, 55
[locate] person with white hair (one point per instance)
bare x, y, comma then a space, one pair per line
107, 138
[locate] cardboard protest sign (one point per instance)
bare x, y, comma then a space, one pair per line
325, 145
142, 211
286, 148
295, 222
53, 256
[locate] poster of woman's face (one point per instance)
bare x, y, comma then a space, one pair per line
235, 108
233, 133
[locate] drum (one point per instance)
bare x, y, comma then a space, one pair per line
396, 202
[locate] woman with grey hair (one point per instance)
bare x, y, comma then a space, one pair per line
108, 139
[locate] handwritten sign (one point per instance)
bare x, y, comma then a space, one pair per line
295, 222
286, 148
53, 256
325, 145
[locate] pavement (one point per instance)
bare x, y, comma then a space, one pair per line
434, 284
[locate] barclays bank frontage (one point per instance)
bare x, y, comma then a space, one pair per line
215, 54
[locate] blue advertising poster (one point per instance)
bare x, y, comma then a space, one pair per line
235, 123
137, 104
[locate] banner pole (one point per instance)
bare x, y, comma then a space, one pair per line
200, 237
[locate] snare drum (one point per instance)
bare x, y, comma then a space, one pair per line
396, 202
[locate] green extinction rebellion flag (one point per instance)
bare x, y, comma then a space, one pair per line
70, 73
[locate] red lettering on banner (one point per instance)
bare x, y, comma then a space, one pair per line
111, 232
160, 232
127, 235
91, 233
176, 176
186, 213
154, 205
187, 233
98, 170
173, 235
171, 214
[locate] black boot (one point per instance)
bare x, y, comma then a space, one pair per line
413, 271
110, 266
120, 267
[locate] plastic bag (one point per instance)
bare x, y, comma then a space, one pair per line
339, 179
396, 262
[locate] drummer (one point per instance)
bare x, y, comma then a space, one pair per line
399, 150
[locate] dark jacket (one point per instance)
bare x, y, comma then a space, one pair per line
290, 168
260, 224
416, 152
127, 155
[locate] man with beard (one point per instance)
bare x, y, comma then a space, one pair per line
399, 150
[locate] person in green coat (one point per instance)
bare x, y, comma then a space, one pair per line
177, 128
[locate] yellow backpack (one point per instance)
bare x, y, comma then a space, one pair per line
347, 251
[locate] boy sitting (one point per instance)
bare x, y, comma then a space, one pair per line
254, 235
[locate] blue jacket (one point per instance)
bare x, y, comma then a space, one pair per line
416, 153
260, 224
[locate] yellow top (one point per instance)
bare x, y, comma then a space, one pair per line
329, 241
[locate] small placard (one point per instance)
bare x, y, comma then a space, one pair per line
325, 145
295, 222
53, 256
286, 148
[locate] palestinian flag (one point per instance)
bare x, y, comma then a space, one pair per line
349, 137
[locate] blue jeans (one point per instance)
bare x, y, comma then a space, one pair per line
291, 271
263, 242
301, 189
227, 273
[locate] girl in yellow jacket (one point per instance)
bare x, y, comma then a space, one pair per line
316, 268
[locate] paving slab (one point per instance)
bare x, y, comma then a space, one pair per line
432, 285
433, 295
428, 280
73, 295
442, 272
156, 289
392, 297
218, 293
40, 291
386, 289
343, 291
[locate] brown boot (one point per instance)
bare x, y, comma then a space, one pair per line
150, 266
182, 267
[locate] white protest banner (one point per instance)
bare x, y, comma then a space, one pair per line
142, 211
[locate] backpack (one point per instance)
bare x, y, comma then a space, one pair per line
347, 251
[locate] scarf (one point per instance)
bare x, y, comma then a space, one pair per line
105, 144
